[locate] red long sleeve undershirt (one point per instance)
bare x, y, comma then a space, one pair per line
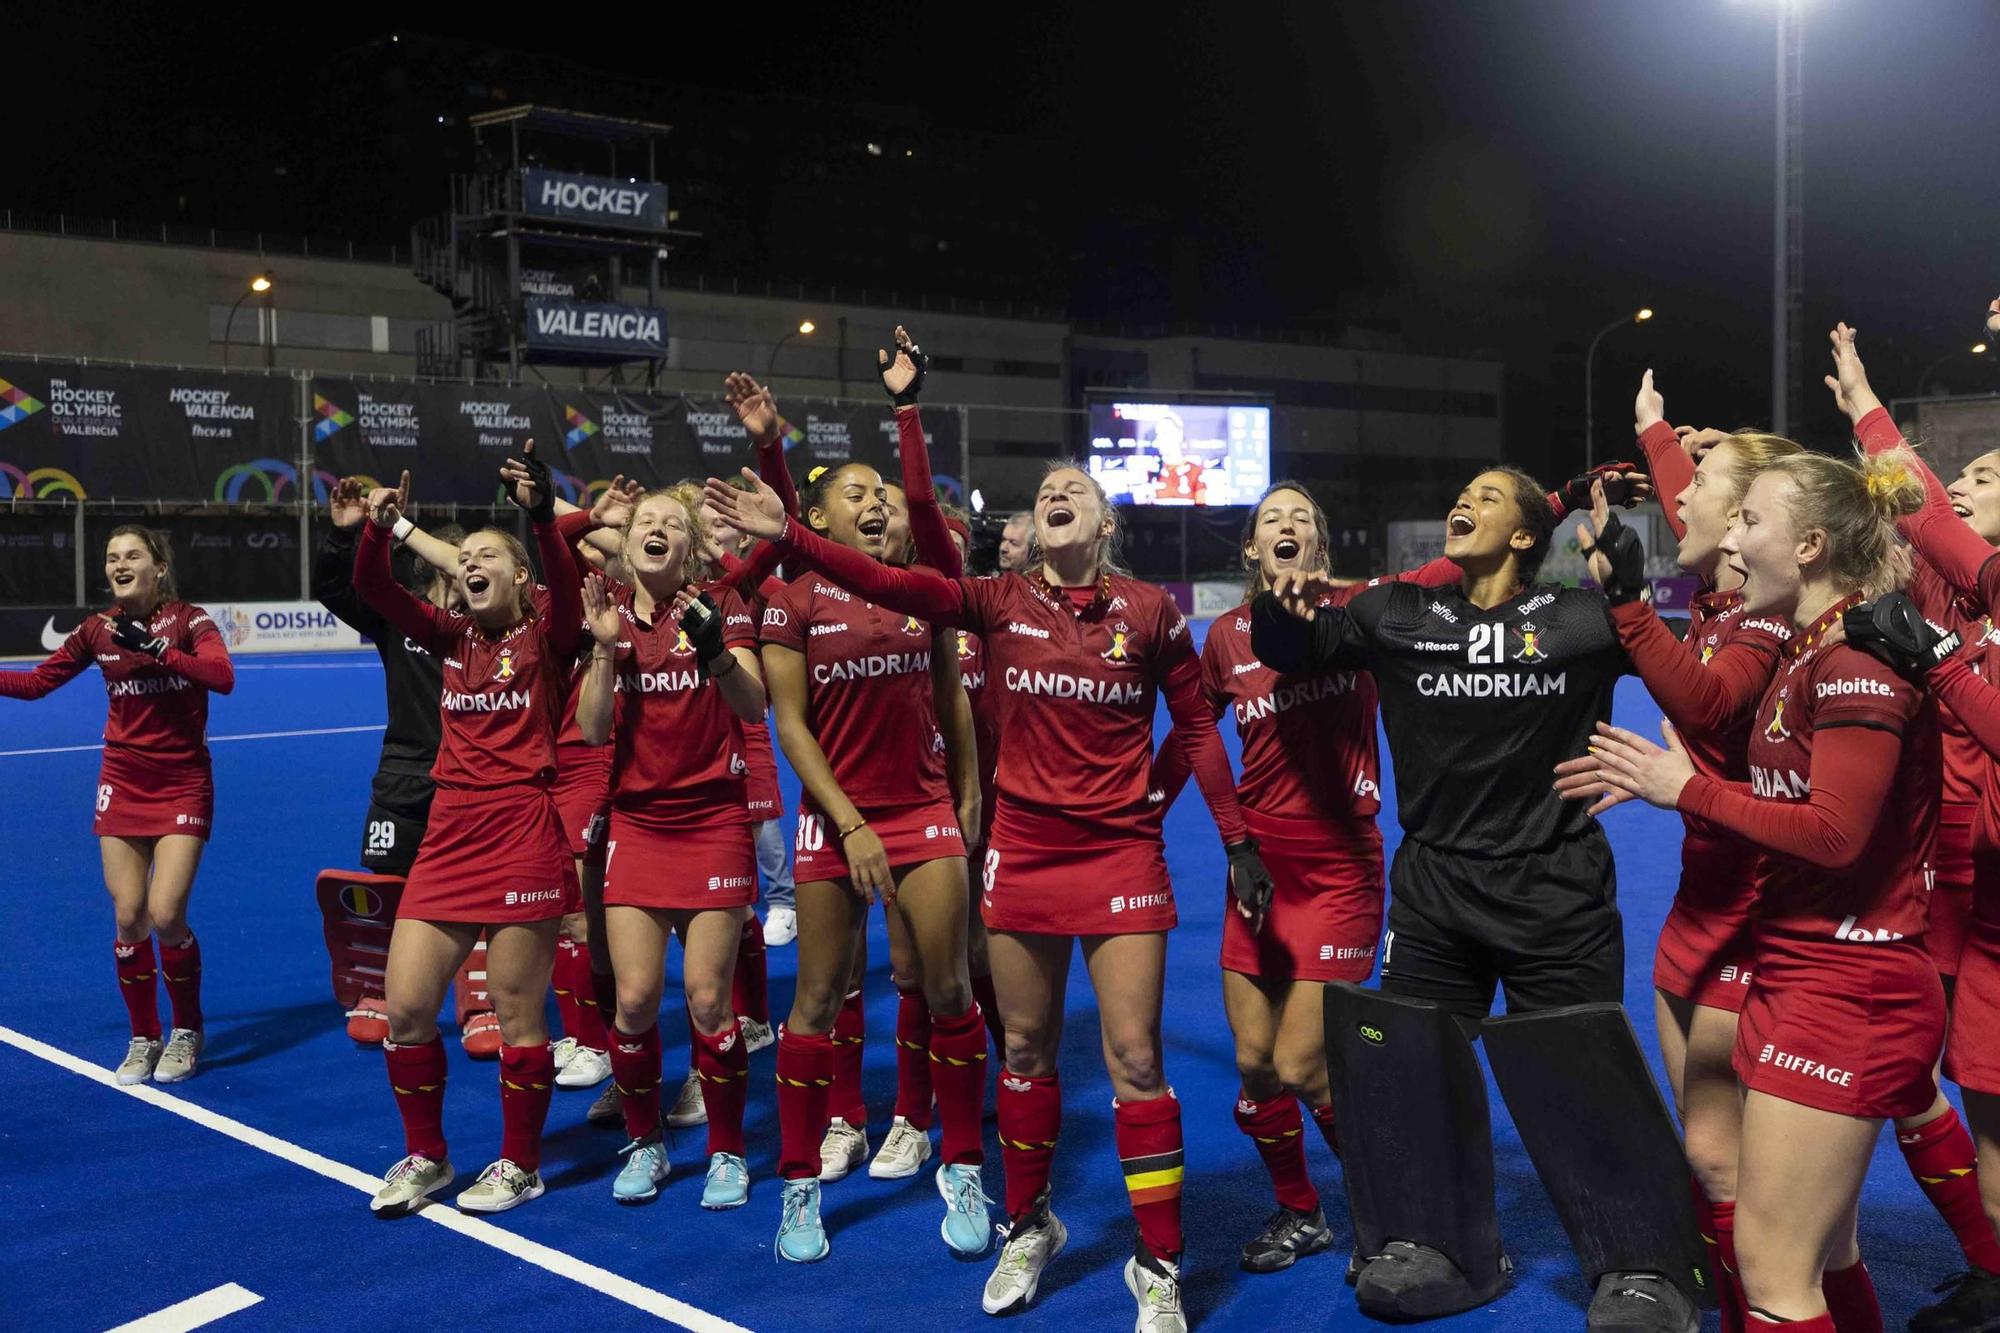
1853, 768
1945, 541
562, 621
1694, 697
931, 596
1671, 468
1972, 699
207, 666
777, 474
927, 526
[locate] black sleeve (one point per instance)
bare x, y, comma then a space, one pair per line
333, 583
1287, 644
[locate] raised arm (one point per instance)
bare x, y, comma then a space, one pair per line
528, 485
903, 378
1973, 700
1672, 469
333, 564
59, 668
759, 414
597, 692
373, 579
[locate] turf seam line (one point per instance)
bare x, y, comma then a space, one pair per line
548, 1258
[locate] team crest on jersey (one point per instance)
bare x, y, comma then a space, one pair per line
1531, 643
1708, 650
964, 648
506, 668
1776, 729
911, 625
681, 645
1116, 652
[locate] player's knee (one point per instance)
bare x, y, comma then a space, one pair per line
1134, 1058
1712, 1160
133, 922
815, 1004
410, 1022
950, 994
171, 928
708, 1005
1030, 1051
1301, 1071
638, 1005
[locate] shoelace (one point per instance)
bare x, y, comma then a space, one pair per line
637, 1144
968, 1193
499, 1172
137, 1046
1163, 1294
406, 1168
1014, 1257
181, 1043
794, 1209
722, 1165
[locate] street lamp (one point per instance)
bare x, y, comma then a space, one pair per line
805, 328
1640, 316
1923, 380
258, 285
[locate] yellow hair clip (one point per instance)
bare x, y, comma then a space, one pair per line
815, 474
1887, 481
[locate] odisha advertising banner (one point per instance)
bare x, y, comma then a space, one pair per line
598, 200
108, 432
247, 627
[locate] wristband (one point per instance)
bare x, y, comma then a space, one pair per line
847, 833
402, 529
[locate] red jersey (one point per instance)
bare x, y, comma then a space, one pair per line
1310, 747
1178, 483
158, 708
1710, 683
679, 755
985, 725
1842, 794
869, 700
503, 694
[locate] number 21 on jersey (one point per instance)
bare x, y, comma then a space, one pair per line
1485, 645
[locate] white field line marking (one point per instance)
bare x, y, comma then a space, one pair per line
212, 740
527, 1251
211, 1305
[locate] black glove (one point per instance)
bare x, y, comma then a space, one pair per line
135, 635
544, 508
1249, 882
1620, 545
916, 386
1894, 630
702, 623
1574, 494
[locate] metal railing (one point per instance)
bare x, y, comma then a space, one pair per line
209, 238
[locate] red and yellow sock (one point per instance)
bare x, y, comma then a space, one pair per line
1148, 1135
722, 1063
850, 1030
635, 1072
1941, 1157
1850, 1299
913, 1057
180, 968
527, 1081
1030, 1122
139, 985
805, 1076
957, 1060
417, 1077
1278, 1130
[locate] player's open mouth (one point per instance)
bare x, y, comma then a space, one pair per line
873, 526
1740, 571
123, 580
1962, 510
655, 547
476, 583
1060, 516
1459, 525
1286, 549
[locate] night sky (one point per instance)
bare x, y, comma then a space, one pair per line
1501, 178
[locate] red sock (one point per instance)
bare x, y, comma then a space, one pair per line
139, 985
805, 1074
957, 1059
1030, 1122
180, 968
1730, 1277
750, 988
913, 1057
589, 1029
527, 1080
849, 1031
416, 1076
1323, 1117
723, 1063
1704, 1223
1941, 1157
1277, 1129
1819, 1323
635, 1072
1850, 1299
562, 980
989, 1006
1148, 1135
604, 986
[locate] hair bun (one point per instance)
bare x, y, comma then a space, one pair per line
1885, 481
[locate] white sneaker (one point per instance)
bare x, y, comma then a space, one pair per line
501, 1186
843, 1149
141, 1058
1159, 1297
177, 1062
903, 1151
756, 1036
586, 1069
563, 1051
1022, 1259
408, 1183
781, 927
689, 1108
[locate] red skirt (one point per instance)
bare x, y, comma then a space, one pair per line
1048, 874
910, 834
1951, 888
679, 867
760, 776
139, 797
1849, 1028
1707, 944
1972, 1058
1326, 911
496, 857
582, 793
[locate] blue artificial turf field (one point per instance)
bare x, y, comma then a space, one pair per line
113, 1208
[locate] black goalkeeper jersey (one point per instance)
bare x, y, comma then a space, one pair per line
1479, 705
412, 678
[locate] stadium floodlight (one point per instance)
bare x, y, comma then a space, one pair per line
1979, 349
1639, 316
805, 327
258, 285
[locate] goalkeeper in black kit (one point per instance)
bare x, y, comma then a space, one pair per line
1497, 883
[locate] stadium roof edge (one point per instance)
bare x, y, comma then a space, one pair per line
577, 124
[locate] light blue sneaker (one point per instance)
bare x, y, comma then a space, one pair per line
645, 1168
967, 1228
728, 1182
801, 1237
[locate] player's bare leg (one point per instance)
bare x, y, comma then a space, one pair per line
1281, 1061
126, 864
176, 858
1801, 1174
424, 956
1030, 973
722, 1061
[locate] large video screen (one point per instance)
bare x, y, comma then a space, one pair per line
1181, 453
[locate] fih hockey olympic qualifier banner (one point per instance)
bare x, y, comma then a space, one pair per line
107, 432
